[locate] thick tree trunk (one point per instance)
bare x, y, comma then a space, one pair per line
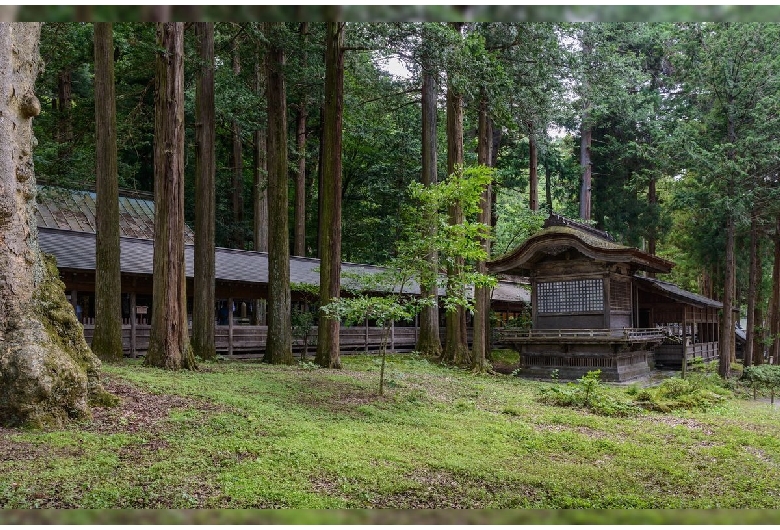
548, 189
774, 305
203, 344
747, 357
481, 344
279, 347
727, 329
47, 372
330, 193
586, 137
169, 345
759, 328
238, 167
260, 172
428, 340
260, 188
455, 344
107, 340
652, 199
299, 232
533, 174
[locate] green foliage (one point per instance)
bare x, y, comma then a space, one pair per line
763, 377
698, 391
589, 393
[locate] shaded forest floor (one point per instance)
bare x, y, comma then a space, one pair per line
249, 435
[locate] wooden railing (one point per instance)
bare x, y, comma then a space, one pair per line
630, 334
248, 340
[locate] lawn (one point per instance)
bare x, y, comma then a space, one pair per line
250, 435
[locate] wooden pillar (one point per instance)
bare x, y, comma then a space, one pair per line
366, 335
684, 340
392, 335
607, 323
230, 326
133, 326
416, 327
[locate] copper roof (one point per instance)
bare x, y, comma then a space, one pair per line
556, 239
75, 210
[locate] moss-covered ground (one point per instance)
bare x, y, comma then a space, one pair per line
250, 435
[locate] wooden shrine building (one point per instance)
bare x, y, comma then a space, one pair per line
592, 310
66, 229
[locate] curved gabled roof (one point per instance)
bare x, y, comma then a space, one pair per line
556, 239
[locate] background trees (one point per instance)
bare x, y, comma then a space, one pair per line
679, 119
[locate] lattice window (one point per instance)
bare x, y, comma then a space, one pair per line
619, 295
573, 296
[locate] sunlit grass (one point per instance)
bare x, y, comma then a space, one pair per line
257, 436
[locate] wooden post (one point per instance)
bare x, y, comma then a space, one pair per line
392, 335
133, 325
230, 326
607, 323
366, 335
684, 341
416, 327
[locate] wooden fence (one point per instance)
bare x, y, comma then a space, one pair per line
250, 340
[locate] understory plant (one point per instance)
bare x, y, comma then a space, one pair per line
588, 392
764, 377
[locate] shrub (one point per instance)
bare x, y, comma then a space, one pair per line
588, 392
699, 391
763, 376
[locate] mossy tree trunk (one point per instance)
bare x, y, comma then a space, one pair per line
47, 372
279, 347
107, 340
203, 345
330, 195
429, 341
169, 345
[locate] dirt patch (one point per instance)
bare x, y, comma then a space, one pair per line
505, 368
336, 396
672, 421
138, 411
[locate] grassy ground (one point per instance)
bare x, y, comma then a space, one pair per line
248, 435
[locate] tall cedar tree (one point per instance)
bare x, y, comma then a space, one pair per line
429, 341
47, 372
330, 194
107, 341
586, 135
169, 345
455, 345
260, 195
279, 347
238, 165
203, 345
481, 344
299, 235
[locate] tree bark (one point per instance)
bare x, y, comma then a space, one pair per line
747, 357
429, 340
774, 306
47, 372
727, 330
203, 303
107, 340
238, 167
586, 137
260, 173
759, 327
169, 345
299, 235
279, 346
455, 344
533, 174
330, 193
481, 344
